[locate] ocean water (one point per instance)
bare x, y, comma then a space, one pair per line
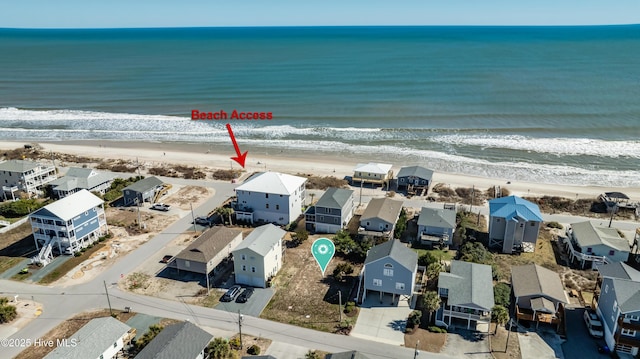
548, 104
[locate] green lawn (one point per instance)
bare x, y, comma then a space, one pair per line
8, 262
438, 253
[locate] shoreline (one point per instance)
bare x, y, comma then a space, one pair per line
261, 159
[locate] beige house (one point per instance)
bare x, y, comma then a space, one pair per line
380, 217
372, 173
259, 256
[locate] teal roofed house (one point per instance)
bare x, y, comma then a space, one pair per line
514, 224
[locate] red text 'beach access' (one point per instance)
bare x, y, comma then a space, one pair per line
235, 115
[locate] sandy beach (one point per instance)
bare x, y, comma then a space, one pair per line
259, 159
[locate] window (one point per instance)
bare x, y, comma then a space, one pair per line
612, 252
377, 282
589, 249
628, 332
267, 205
86, 213
533, 224
629, 317
606, 288
388, 272
253, 269
277, 207
243, 257
497, 220
266, 195
368, 224
399, 286
244, 267
386, 226
187, 264
615, 306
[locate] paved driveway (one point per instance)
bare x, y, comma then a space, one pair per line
541, 344
382, 322
253, 307
579, 343
467, 343
282, 350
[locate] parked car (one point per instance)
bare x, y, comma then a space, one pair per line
242, 298
594, 325
231, 294
161, 207
203, 221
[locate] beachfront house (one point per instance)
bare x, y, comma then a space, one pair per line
514, 224
390, 268
617, 302
208, 252
538, 294
145, 190
591, 245
332, 212
270, 197
436, 226
26, 177
183, 340
372, 173
259, 257
414, 179
100, 338
67, 225
467, 295
380, 217
81, 178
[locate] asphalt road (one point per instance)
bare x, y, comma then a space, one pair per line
579, 344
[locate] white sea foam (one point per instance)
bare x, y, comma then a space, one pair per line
555, 146
18, 124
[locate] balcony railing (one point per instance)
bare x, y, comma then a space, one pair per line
626, 323
464, 315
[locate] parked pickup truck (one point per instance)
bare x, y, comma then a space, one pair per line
161, 207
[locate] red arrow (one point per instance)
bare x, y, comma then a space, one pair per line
240, 157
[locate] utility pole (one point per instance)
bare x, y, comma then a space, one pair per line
473, 195
416, 352
508, 333
108, 300
361, 182
194, 221
613, 211
340, 305
240, 327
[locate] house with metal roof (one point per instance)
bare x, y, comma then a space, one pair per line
617, 303
259, 257
592, 245
514, 224
144, 190
332, 212
414, 178
67, 225
390, 268
380, 217
208, 251
372, 173
538, 293
270, 197
24, 176
183, 340
81, 178
467, 294
436, 226
100, 338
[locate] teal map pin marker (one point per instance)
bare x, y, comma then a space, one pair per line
323, 251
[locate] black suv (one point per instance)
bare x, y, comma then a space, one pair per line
231, 294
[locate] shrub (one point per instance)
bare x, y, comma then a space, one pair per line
253, 350
391, 194
312, 355
7, 312
502, 294
343, 243
153, 331
427, 258
401, 225
350, 307
77, 254
414, 319
554, 224
342, 269
475, 252
218, 348
19, 208
300, 236
235, 343
435, 329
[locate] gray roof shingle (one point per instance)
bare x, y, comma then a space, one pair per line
384, 208
334, 198
92, 339
84, 178
144, 185
395, 250
209, 244
532, 280
627, 294
586, 234
469, 285
19, 166
262, 239
619, 270
182, 340
437, 217
417, 171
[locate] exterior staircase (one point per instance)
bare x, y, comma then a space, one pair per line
45, 256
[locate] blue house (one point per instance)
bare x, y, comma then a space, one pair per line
514, 224
617, 299
390, 268
436, 225
67, 225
